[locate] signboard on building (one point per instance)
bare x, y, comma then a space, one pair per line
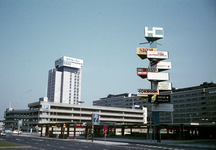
142, 72
159, 98
69, 62
158, 76
161, 66
146, 92
164, 86
162, 107
157, 55
46, 106
95, 119
142, 52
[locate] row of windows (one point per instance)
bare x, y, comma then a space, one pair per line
189, 94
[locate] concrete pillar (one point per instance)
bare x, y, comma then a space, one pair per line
41, 131
167, 133
86, 132
52, 130
47, 131
68, 131
61, 130
122, 131
74, 132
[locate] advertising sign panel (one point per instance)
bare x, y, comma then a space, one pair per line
157, 55
146, 92
161, 66
154, 32
158, 76
95, 119
20, 122
164, 86
159, 98
162, 107
142, 52
46, 106
69, 62
142, 72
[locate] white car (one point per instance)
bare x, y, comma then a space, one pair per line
16, 132
3, 133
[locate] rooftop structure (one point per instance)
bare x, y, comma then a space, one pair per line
64, 82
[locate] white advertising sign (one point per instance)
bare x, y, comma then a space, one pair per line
162, 107
164, 86
159, 55
155, 32
161, 65
158, 76
69, 62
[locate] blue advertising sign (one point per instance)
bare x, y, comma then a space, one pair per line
95, 119
20, 122
46, 106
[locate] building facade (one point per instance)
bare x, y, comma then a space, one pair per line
195, 104
125, 100
44, 113
64, 81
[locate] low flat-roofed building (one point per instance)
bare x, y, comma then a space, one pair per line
44, 113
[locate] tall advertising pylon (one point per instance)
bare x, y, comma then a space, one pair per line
153, 72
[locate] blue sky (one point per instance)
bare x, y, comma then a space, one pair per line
105, 34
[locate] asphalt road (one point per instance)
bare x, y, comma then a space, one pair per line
70, 144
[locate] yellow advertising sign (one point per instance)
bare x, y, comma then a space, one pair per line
143, 51
146, 92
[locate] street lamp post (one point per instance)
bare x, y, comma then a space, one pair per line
80, 110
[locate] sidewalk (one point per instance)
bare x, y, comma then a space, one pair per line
204, 143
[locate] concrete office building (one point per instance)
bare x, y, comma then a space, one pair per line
125, 100
195, 104
64, 82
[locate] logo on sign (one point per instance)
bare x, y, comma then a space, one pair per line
154, 32
146, 92
95, 119
143, 51
46, 106
159, 98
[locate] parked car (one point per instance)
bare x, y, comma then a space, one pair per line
3, 133
16, 132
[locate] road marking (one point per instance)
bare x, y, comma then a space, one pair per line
61, 147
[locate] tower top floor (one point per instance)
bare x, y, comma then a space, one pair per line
68, 62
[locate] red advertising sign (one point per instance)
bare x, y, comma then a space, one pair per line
143, 71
